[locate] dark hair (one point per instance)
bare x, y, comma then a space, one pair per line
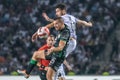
61, 6
51, 36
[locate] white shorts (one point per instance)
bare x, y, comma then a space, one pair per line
71, 47
60, 73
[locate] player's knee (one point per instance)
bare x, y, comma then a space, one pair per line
49, 76
35, 54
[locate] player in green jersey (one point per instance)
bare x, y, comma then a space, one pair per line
56, 54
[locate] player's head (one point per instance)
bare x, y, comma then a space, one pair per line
60, 10
58, 23
50, 40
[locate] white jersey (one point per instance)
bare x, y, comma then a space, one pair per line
71, 22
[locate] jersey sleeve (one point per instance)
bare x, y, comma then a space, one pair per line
65, 35
76, 19
43, 47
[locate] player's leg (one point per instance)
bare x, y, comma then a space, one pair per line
51, 70
37, 55
42, 74
53, 66
60, 74
50, 73
71, 47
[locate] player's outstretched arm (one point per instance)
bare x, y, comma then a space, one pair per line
34, 36
84, 23
50, 25
46, 17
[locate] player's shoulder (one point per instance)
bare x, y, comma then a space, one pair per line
67, 15
43, 47
65, 30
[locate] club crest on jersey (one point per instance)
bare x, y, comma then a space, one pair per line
57, 37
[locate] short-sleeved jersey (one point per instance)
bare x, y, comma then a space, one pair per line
64, 35
71, 22
43, 61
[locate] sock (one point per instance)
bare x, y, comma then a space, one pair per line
31, 65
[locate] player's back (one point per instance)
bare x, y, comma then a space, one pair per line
67, 18
71, 22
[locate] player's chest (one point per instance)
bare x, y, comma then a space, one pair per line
57, 39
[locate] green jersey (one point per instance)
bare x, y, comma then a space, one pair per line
64, 35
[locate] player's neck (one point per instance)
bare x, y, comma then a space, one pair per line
63, 26
64, 13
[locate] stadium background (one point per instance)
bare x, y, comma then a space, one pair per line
97, 51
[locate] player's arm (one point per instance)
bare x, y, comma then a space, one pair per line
59, 48
67, 65
34, 36
46, 17
84, 23
50, 25
63, 39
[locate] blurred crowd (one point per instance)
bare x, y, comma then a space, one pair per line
19, 19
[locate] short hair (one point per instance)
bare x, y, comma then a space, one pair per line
51, 36
61, 6
59, 19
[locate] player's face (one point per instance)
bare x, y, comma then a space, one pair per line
57, 24
50, 41
59, 12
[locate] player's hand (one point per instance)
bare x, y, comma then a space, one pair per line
34, 37
90, 24
38, 64
45, 16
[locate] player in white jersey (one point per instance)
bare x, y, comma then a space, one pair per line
71, 22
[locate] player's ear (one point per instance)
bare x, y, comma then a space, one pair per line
64, 11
